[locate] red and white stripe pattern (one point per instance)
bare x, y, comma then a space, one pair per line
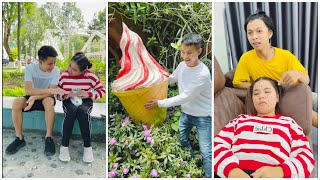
238, 146
87, 81
138, 68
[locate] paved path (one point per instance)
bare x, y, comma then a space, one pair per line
30, 161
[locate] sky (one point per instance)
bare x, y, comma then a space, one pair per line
88, 8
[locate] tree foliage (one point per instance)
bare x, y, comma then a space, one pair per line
99, 22
68, 19
9, 19
166, 23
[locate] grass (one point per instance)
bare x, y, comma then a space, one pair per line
14, 92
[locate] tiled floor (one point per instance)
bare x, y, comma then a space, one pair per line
30, 161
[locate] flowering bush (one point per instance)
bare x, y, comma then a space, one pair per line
136, 151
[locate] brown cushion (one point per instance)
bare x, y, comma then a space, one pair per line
230, 74
227, 106
219, 79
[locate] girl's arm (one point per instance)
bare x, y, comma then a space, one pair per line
226, 164
98, 89
61, 97
301, 161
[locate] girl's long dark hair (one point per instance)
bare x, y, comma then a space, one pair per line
82, 61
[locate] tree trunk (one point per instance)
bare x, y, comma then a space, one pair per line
19, 27
35, 50
29, 46
6, 41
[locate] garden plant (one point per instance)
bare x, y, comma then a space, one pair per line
134, 150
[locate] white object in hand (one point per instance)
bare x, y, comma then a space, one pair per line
77, 101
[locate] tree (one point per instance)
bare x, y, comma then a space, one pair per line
51, 12
9, 14
19, 27
72, 20
35, 28
10, 18
163, 24
99, 21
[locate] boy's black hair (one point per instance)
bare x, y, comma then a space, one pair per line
192, 39
45, 52
275, 85
82, 61
260, 15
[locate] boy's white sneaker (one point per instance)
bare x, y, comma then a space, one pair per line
87, 154
64, 154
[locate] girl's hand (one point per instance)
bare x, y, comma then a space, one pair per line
238, 173
83, 94
268, 172
70, 95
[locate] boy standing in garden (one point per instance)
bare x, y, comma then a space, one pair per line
195, 97
40, 84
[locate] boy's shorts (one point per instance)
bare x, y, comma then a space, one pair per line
37, 104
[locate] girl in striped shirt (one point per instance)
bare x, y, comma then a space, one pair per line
266, 144
81, 83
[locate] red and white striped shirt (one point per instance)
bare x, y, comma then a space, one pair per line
250, 142
87, 81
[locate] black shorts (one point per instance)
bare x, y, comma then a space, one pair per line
37, 104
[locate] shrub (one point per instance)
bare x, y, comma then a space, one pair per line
15, 92
136, 151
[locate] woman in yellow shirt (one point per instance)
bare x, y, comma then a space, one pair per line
268, 61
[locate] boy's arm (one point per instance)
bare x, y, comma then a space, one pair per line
33, 98
53, 89
195, 88
34, 91
243, 85
172, 79
294, 76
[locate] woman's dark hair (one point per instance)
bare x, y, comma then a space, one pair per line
260, 15
275, 85
82, 61
45, 52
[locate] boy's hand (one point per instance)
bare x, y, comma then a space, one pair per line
153, 103
268, 172
56, 91
290, 77
30, 103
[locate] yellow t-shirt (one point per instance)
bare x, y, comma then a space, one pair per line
252, 67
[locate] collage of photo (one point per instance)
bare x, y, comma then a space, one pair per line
171, 113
